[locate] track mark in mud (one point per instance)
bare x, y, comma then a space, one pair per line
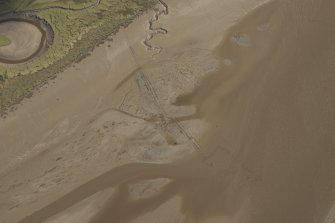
147, 89
156, 31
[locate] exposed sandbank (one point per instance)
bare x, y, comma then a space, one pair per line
265, 155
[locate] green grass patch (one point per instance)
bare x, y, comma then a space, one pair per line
4, 41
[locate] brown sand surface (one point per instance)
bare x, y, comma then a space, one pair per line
254, 142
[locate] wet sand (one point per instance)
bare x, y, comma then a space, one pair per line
268, 154
272, 111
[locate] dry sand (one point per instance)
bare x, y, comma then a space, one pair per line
254, 142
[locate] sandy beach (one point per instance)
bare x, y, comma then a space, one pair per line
213, 111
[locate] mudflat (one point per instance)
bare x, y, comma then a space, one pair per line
230, 119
